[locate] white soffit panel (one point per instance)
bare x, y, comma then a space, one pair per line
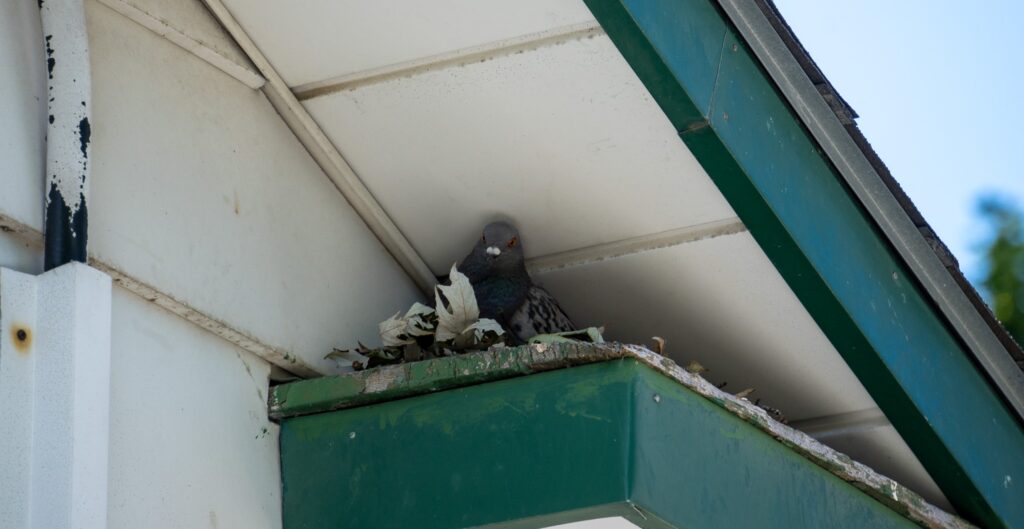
720, 302
882, 449
312, 40
562, 139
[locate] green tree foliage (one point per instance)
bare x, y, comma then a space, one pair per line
1004, 259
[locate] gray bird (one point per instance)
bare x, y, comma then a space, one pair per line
504, 291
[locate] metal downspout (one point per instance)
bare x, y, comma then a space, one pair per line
69, 95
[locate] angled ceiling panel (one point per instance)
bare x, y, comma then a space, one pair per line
720, 302
562, 139
313, 40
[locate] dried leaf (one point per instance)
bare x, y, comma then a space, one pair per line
745, 393
337, 354
660, 344
419, 309
461, 311
421, 320
695, 368
486, 325
393, 331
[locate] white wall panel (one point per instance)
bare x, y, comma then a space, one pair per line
19, 255
192, 18
564, 139
191, 445
312, 40
200, 190
22, 112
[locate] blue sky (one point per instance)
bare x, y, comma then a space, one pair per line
938, 89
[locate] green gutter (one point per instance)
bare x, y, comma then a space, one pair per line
468, 441
732, 118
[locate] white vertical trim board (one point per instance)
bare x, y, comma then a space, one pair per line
55, 382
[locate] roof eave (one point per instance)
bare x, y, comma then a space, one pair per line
774, 45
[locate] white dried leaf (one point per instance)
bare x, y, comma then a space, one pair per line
461, 311
393, 331
416, 320
419, 309
485, 325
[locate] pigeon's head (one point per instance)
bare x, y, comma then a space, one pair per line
500, 243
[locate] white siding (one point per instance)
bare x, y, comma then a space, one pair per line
191, 445
201, 191
22, 112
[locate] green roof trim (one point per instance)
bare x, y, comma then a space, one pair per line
731, 116
594, 430
408, 379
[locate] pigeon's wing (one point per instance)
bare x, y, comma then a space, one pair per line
539, 314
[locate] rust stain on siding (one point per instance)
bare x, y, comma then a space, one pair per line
21, 337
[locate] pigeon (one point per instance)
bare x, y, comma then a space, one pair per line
504, 291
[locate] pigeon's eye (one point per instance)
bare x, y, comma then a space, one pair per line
483, 238
513, 242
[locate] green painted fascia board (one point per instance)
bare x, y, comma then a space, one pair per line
721, 476
415, 378
636, 437
823, 244
465, 457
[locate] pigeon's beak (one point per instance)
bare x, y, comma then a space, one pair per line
493, 251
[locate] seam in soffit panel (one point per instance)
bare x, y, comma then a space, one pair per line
634, 245
842, 423
327, 156
853, 164
243, 73
480, 53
